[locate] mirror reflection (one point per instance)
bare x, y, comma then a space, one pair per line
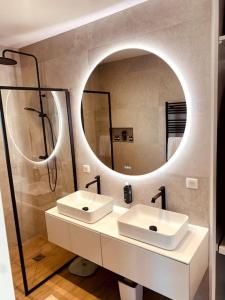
133, 112
31, 131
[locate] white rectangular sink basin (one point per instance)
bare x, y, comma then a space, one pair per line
85, 206
158, 227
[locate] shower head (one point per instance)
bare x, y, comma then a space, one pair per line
41, 114
32, 109
7, 61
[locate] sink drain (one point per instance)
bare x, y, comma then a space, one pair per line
85, 208
153, 228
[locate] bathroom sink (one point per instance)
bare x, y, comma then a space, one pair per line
158, 227
85, 206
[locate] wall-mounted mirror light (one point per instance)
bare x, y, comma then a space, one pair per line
133, 112
24, 124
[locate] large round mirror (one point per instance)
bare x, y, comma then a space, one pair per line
32, 127
133, 112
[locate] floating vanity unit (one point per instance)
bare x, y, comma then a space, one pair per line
156, 268
85, 206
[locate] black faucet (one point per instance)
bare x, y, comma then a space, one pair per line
161, 194
97, 180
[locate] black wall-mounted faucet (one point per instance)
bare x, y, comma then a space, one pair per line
161, 194
97, 180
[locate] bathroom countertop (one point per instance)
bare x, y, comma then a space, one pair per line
108, 226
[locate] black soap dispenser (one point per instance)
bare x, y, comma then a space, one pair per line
127, 193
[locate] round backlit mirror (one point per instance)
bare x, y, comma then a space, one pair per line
133, 112
33, 129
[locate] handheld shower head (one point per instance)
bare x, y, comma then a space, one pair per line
32, 109
41, 115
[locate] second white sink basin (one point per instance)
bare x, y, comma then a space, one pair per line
161, 228
85, 206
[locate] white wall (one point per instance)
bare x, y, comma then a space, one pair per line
6, 284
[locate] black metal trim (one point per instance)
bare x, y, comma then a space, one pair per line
28, 291
30, 88
110, 119
167, 134
50, 276
13, 197
68, 105
82, 117
110, 130
39, 93
96, 92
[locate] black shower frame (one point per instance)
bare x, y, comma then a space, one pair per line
28, 291
39, 94
110, 119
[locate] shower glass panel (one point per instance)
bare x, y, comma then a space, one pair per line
38, 180
24, 123
97, 124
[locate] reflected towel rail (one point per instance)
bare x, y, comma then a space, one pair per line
176, 115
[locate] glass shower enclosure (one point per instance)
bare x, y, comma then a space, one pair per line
97, 124
40, 160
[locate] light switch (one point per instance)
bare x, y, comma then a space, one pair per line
192, 183
86, 168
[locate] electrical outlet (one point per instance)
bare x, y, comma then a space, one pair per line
192, 183
86, 168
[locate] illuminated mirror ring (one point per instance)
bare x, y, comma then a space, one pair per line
60, 131
180, 76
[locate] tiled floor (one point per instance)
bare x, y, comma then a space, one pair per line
64, 286
54, 258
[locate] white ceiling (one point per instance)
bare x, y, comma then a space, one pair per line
23, 22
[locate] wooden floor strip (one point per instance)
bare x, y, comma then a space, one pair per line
64, 286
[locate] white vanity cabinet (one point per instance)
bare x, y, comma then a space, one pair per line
86, 243
164, 275
175, 274
79, 240
58, 232
161, 274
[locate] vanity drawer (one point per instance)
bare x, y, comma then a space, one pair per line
58, 232
159, 273
86, 243
78, 240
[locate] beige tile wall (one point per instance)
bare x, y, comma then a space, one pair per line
8, 76
180, 29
